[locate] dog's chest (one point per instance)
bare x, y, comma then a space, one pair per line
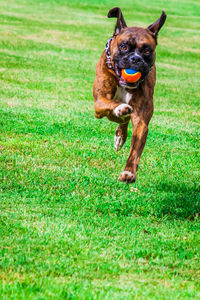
122, 95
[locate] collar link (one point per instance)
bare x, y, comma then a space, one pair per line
108, 56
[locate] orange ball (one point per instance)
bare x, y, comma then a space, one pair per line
130, 75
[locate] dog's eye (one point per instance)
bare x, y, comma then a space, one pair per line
124, 47
147, 52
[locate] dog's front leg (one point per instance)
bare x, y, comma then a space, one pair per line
138, 141
112, 109
139, 136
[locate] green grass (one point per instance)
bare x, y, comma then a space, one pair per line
68, 228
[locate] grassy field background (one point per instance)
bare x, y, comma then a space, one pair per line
68, 228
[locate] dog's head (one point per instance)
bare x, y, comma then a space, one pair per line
133, 47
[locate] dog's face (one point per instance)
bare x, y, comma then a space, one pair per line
133, 47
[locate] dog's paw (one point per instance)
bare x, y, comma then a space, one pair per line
122, 110
127, 176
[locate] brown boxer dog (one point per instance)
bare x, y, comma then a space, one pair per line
120, 101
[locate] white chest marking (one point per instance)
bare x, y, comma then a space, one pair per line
122, 95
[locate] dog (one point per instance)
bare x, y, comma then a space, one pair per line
121, 101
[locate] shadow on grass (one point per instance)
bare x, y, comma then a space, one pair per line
178, 200
163, 200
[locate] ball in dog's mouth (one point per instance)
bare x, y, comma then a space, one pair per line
130, 75
129, 78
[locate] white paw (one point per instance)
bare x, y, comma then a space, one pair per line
118, 142
122, 110
127, 176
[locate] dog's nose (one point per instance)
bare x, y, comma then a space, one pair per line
134, 58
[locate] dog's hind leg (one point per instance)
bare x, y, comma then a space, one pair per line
120, 136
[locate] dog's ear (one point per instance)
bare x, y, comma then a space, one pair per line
155, 27
117, 13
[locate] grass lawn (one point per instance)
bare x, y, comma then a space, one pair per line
68, 228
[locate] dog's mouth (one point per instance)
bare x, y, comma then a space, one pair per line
123, 82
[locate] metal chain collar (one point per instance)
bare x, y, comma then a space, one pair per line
108, 56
